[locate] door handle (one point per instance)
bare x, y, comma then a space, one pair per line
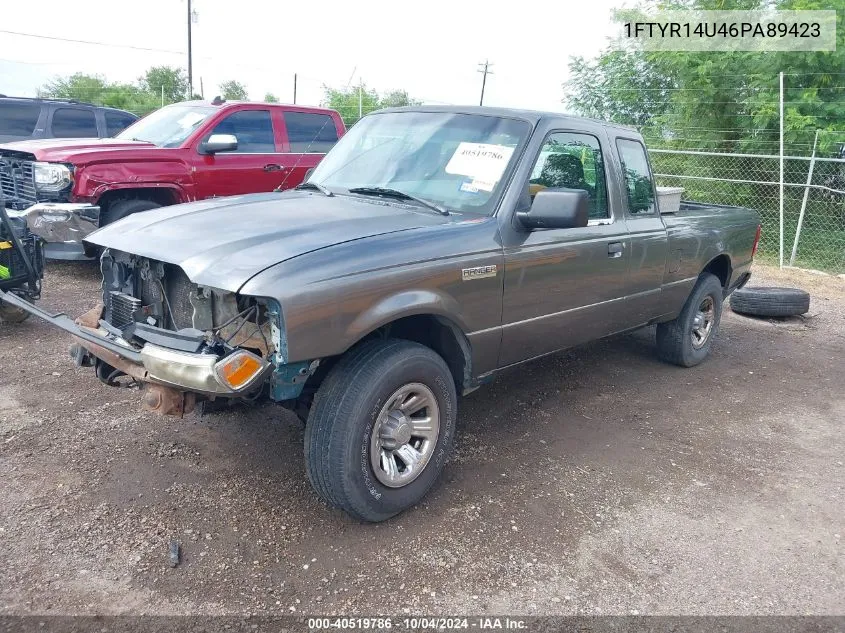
614, 249
273, 167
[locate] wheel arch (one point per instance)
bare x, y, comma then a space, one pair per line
437, 332
720, 266
164, 194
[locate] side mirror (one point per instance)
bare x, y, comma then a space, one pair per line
219, 143
556, 208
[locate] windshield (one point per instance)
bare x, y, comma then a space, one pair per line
455, 160
168, 127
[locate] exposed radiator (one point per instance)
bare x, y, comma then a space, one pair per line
123, 309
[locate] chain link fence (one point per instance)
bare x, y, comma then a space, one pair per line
813, 205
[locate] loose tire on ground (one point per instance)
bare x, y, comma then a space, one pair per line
122, 208
12, 314
770, 302
687, 340
351, 426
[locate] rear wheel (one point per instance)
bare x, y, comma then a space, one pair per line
381, 428
122, 208
686, 341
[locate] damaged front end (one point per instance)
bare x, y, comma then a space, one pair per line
181, 342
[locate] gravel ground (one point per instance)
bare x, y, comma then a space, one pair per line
595, 481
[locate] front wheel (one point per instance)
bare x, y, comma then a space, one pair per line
687, 340
124, 208
381, 428
12, 314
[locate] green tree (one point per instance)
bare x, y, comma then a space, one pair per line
174, 81
233, 90
270, 98
713, 100
349, 101
397, 98
131, 98
78, 87
622, 87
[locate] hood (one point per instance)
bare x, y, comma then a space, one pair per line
223, 243
65, 149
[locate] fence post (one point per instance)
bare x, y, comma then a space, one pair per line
781, 170
804, 201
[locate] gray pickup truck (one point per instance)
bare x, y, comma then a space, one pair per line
430, 249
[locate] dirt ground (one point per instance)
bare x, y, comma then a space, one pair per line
599, 480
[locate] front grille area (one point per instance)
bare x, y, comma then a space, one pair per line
179, 288
139, 289
17, 182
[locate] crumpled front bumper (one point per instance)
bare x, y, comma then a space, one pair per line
197, 373
63, 226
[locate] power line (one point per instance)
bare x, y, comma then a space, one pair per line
92, 43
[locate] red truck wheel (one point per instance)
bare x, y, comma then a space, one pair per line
121, 208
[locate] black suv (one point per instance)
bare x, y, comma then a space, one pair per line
22, 119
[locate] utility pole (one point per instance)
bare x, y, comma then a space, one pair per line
190, 60
294, 88
360, 99
486, 70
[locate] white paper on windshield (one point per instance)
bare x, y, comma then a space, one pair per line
483, 162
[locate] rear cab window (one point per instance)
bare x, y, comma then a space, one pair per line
74, 123
639, 184
310, 132
18, 119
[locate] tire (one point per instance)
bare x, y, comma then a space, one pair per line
686, 341
356, 399
122, 208
770, 302
12, 314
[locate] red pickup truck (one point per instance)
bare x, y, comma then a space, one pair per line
193, 150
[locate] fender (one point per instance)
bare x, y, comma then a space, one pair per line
93, 180
399, 305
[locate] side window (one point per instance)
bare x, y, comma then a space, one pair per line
573, 161
74, 123
252, 128
639, 184
310, 132
117, 121
18, 119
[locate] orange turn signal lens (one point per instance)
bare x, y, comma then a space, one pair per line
239, 369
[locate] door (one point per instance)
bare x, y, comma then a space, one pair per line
310, 135
254, 167
566, 286
649, 243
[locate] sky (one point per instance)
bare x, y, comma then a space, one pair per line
430, 49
